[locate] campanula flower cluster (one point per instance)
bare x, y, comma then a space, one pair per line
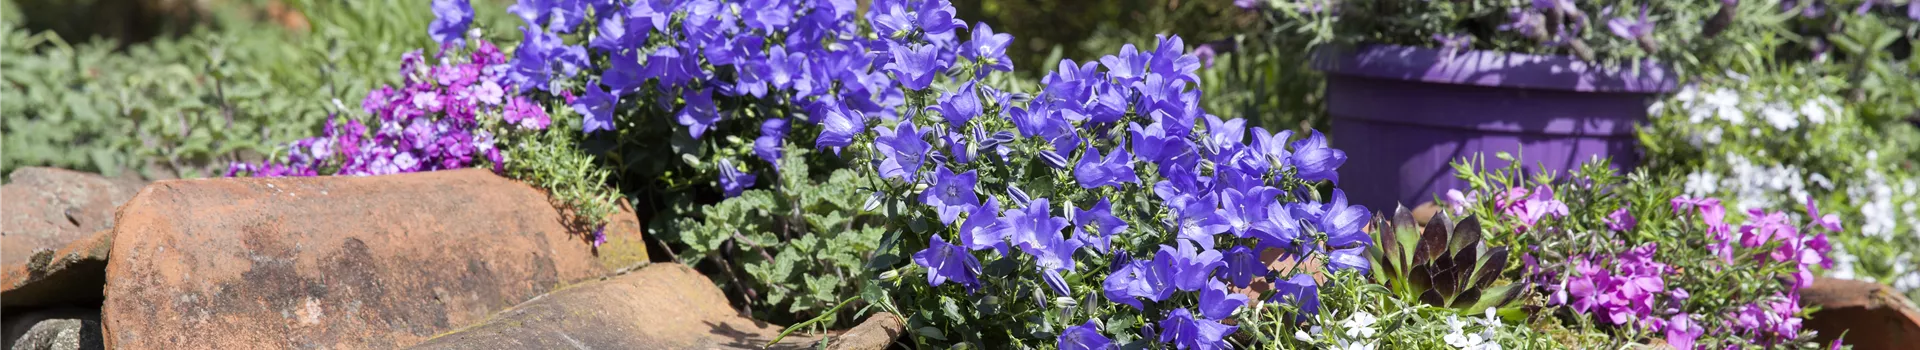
438, 118
1213, 194
913, 100
775, 66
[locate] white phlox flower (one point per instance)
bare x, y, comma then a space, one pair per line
1353, 345
1307, 335
1492, 320
1463, 340
1780, 116
1725, 104
1360, 325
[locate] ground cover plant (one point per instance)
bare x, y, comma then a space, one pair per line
1620, 259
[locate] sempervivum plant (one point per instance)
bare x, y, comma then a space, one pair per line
1447, 263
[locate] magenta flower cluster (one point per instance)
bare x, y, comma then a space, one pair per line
432, 121
1629, 288
1528, 207
1621, 289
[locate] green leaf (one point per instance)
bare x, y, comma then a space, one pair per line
931, 332
952, 310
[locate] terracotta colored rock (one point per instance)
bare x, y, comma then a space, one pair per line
875, 333
338, 262
1424, 213
73, 275
1872, 315
45, 208
661, 306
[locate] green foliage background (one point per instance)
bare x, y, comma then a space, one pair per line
1261, 78
235, 86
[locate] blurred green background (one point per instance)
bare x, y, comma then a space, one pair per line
1256, 75
180, 88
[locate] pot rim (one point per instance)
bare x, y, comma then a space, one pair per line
1493, 69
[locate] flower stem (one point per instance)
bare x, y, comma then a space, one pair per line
816, 319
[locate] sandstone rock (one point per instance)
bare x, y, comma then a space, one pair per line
662, 306
876, 333
72, 275
54, 329
1872, 315
338, 262
45, 208
1423, 213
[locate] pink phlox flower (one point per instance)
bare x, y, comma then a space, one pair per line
1531, 207
1764, 227
1818, 243
1831, 221
1682, 331
1460, 201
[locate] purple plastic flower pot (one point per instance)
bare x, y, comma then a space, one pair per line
1403, 114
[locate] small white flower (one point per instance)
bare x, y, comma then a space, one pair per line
1908, 281
1712, 136
1702, 184
1736, 76
1816, 110
1492, 319
1726, 104
1307, 335
1464, 340
1454, 324
1782, 118
1687, 94
1842, 262
1821, 179
1346, 345
1360, 325
1456, 339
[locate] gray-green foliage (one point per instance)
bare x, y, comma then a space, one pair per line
800, 248
553, 160
186, 106
1347, 305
